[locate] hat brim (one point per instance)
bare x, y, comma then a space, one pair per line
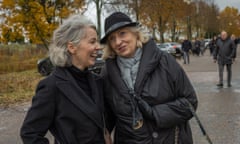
116, 27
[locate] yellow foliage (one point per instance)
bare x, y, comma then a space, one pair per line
230, 20
37, 19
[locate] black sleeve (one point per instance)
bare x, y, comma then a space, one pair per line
233, 47
215, 52
39, 117
110, 117
177, 111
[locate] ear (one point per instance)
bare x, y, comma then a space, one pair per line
71, 48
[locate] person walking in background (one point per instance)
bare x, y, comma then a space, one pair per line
212, 45
69, 102
224, 54
202, 46
197, 45
186, 47
236, 41
147, 91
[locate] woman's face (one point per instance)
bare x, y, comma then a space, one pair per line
85, 53
123, 42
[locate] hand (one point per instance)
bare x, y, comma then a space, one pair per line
107, 137
214, 60
233, 59
145, 108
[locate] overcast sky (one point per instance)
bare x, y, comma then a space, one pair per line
232, 3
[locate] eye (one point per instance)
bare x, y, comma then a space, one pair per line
93, 41
111, 38
122, 33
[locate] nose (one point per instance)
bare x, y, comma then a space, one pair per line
118, 40
98, 46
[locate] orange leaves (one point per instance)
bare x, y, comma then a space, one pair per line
35, 20
229, 20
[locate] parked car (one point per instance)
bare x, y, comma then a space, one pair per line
206, 42
165, 48
45, 66
173, 48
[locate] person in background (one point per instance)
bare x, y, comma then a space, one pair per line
146, 91
235, 40
202, 46
224, 54
197, 45
212, 45
69, 102
186, 47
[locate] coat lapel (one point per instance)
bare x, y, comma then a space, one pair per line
69, 87
149, 61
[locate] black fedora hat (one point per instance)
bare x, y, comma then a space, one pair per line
115, 21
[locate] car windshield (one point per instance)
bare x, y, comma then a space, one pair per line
165, 45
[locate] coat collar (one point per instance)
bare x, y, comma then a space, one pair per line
148, 62
69, 87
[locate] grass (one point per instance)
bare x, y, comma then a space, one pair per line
18, 72
17, 58
18, 87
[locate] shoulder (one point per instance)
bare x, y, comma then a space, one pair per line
168, 60
169, 64
48, 83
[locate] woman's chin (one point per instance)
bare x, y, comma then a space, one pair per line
91, 63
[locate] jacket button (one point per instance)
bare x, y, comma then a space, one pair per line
154, 134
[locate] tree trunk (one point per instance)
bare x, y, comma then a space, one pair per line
98, 13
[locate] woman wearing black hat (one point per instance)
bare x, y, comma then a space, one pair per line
147, 92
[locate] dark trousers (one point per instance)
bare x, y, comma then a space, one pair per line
186, 57
229, 73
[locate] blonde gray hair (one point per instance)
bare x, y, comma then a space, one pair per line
72, 30
142, 38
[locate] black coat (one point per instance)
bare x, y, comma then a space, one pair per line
225, 51
166, 88
186, 45
62, 107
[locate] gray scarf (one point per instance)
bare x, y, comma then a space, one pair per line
129, 68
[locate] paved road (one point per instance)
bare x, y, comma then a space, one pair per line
218, 108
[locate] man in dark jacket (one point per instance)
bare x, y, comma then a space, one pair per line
186, 46
236, 41
225, 55
197, 45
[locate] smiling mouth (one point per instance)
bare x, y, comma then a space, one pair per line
121, 48
93, 55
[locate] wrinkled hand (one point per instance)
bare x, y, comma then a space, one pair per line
145, 108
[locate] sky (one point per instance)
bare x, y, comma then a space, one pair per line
232, 3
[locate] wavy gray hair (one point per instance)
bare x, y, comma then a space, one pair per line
142, 38
72, 30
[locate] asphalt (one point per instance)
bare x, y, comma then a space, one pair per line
218, 108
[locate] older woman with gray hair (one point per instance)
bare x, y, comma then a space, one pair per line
147, 93
69, 102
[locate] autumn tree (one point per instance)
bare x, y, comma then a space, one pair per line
161, 15
229, 20
35, 19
